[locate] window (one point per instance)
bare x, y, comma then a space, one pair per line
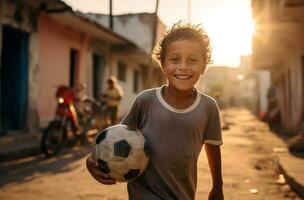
122, 71
135, 80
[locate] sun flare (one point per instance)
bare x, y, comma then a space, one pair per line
230, 37
230, 29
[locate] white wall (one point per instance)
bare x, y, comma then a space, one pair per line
127, 86
138, 28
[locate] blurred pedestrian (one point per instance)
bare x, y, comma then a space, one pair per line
112, 96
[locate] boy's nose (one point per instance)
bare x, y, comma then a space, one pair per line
183, 65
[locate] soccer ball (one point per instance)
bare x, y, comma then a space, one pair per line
121, 152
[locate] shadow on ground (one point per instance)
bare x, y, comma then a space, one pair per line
298, 154
24, 170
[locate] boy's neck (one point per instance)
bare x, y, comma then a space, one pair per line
179, 99
181, 94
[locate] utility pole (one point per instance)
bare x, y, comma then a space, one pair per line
155, 24
156, 7
111, 16
153, 42
189, 10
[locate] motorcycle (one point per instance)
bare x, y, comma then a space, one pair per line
67, 123
93, 115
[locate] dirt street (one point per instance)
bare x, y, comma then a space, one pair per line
248, 170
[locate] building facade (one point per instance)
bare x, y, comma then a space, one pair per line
236, 87
278, 46
45, 44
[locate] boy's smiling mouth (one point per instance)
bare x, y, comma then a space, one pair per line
182, 77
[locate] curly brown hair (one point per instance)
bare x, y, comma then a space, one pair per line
180, 31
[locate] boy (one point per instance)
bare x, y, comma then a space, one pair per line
176, 120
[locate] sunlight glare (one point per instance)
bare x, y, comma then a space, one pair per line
230, 28
230, 37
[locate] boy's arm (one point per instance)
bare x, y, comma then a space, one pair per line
213, 153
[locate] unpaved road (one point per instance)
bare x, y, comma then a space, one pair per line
248, 170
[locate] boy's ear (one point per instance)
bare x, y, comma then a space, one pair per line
203, 69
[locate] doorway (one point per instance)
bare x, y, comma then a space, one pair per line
13, 79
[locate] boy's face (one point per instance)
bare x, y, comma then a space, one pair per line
183, 64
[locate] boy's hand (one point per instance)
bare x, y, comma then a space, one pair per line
216, 194
99, 176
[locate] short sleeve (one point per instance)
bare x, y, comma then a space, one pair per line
132, 118
213, 132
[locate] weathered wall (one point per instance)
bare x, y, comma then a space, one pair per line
23, 16
18, 14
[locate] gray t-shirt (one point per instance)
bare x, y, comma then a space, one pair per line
175, 137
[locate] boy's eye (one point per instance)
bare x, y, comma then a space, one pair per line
174, 59
193, 60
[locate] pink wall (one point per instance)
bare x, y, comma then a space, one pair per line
55, 42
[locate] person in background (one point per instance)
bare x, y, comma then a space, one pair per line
112, 97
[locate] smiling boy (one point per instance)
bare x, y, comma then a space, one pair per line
177, 120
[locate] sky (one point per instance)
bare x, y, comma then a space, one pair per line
228, 22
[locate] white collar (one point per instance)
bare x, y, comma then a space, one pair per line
173, 109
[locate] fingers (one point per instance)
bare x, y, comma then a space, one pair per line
101, 177
91, 162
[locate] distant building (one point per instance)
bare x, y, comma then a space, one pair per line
235, 86
214, 80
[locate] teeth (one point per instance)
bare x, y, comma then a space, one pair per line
182, 77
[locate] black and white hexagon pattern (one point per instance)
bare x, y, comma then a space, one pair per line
121, 152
